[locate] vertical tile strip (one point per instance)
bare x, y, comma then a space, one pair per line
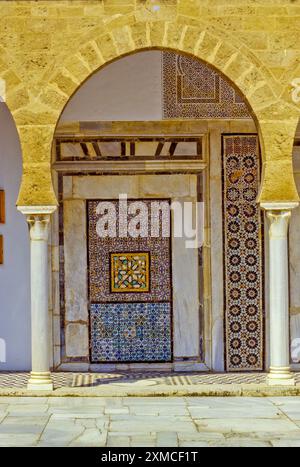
243, 254
61, 263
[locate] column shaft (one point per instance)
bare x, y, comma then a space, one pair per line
38, 219
39, 301
279, 298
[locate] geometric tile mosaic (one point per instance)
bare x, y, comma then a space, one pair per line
99, 258
131, 332
243, 254
130, 272
130, 292
192, 89
61, 379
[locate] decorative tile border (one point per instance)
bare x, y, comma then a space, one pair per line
192, 89
243, 254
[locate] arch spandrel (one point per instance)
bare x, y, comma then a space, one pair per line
126, 35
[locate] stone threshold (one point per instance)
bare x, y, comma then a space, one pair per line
246, 390
145, 384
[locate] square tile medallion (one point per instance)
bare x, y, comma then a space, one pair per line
130, 272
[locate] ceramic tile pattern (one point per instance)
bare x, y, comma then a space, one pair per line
244, 320
192, 89
130, 293
78, 379
99, 261
131, 332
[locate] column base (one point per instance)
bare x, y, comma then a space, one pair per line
40, 381
281, 376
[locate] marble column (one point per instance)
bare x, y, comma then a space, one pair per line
279, 216
38, 218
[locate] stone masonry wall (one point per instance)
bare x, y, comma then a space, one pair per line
48, 49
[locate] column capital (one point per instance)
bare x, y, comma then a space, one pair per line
38, 219
279, 222
279, 215
37, 210
288, 206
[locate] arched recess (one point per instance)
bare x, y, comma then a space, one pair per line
126, 35
15, 270
74, 319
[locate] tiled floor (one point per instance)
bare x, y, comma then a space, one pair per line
64, 379
136, 421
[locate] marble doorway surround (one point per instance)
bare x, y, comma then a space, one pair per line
185, 267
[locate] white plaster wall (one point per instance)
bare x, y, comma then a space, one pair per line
294, 253
127, 89
14, 273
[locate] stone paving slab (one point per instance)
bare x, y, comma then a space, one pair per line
23, 400
81, 401
284, 400
243, 443
206, 436
194, 444
143, 441
251, 426
216, 402
183, 422
235, 412
117, 441
81, 412
166, 439
157, 409
292, 412
116, 410
27, 410
91, 437
61, 432
285, 443
160, 391
17, 425
18, 440
135, 424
